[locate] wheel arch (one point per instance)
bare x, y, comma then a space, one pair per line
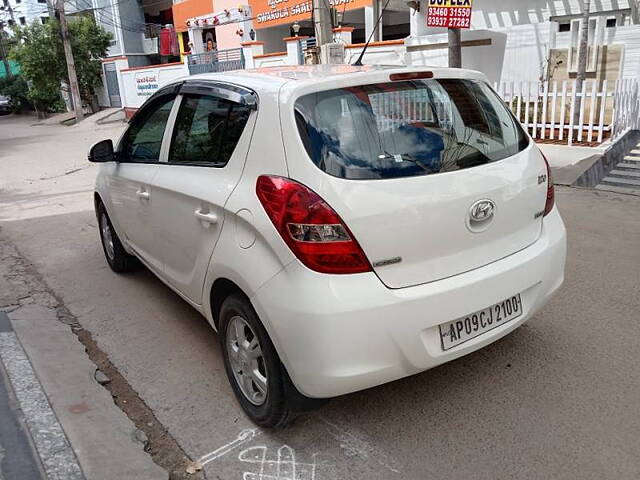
220, 290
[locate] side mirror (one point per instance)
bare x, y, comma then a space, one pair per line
102, 152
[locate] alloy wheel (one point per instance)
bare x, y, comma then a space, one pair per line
247, 361
107, 237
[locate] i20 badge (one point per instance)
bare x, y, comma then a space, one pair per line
480, 215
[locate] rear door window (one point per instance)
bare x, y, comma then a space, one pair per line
410, 128
143, 139
207, 130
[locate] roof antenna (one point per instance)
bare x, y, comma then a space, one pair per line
358, 62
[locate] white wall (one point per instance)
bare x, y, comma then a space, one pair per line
138, 84
628, 37
377, 55
271, 61
488, 59
527, 28
501, 14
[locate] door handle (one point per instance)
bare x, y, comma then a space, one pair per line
143, 194
207, 218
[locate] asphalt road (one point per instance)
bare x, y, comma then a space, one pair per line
558, 398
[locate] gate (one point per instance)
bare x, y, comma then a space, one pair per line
216, 61
113, 90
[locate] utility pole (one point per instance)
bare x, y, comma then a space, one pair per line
71, 66
583, 48
322, 22
455, 48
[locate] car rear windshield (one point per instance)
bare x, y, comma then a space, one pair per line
407, 128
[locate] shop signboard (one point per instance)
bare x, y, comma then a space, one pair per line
449, 13
269, 13
146, 83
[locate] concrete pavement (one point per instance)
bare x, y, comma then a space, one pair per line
555, 399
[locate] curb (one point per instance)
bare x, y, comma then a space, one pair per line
51, 443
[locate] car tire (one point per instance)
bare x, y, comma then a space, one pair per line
241, 332
117, 257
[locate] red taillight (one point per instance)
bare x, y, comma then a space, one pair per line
548, 206
312, 229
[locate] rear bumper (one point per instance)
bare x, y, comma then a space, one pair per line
342, 333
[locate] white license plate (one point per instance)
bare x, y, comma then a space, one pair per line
464, 329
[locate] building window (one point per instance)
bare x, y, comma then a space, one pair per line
11, 22
42, 1
23, 21
18, 1
611, 22
44, 20
564, 27
6, 3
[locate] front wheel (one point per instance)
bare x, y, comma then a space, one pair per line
252, 364
117, 257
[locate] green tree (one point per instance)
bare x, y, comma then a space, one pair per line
41, 57
37, 55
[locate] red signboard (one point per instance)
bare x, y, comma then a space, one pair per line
449, 13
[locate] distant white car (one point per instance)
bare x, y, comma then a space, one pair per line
5, 105
341, 227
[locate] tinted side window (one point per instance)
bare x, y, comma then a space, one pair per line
207, 130
143, 140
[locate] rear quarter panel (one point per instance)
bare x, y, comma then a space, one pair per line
250, 250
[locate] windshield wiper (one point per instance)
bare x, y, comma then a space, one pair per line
405, 157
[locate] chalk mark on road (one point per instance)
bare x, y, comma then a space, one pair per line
243, 437
283, 467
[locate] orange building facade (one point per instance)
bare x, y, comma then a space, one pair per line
228, 24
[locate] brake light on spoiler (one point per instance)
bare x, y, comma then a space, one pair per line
395, 77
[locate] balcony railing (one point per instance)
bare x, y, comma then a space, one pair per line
216, 61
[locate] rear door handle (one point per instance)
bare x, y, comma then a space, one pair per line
143, 194
208, 218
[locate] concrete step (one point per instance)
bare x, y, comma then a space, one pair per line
630, 165
631, 158
622, 182
624, 173
613, 188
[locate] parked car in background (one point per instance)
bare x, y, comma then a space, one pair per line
340, 227
5, 105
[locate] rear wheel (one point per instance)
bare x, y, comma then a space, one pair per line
252, 364
117, 257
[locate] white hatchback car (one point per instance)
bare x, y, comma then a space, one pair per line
341, 227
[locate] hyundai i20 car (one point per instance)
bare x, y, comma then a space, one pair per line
339, 226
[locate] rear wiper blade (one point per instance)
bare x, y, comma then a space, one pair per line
405, 157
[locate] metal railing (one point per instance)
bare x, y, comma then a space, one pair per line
216, 61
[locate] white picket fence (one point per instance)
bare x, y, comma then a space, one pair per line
547, 109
